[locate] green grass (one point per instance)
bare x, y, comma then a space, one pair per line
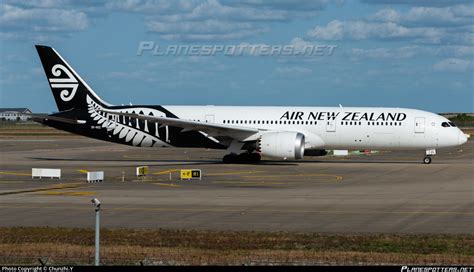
24, 245
249, 240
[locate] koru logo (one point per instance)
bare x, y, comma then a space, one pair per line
68, 84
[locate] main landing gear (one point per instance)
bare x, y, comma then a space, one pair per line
242, 158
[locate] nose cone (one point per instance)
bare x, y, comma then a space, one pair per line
462, 138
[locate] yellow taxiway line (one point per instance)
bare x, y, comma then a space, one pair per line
81, 193
15, 174
49, 188
166, 184
166, 172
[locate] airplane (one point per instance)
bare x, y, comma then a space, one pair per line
247, 133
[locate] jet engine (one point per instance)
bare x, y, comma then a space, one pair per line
281, 145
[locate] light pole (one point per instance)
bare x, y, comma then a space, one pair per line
96, 204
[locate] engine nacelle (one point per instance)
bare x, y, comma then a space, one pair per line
281, 145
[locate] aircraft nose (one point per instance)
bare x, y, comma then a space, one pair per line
462, 138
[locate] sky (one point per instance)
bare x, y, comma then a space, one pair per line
385, 53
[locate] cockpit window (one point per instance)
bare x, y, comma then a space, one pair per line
452, 124
445, 124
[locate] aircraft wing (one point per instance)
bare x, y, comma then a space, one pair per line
211, 129
44, 117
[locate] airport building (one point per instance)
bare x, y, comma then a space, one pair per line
14, 114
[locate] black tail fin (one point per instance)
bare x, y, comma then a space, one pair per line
69, 90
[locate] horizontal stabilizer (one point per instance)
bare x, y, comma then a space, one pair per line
43, 117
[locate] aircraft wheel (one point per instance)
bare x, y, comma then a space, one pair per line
229, 159
255, 157
427, 160
242, 158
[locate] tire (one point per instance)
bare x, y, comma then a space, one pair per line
427, 160
255, 157
228, 159
242, 158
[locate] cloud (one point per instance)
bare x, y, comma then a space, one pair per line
182, 20
421, 25
203, 30
293, 71
299, 5
454, 65
47, 20
386, 53
428, 16
423, 3
37, 23
362, 30
407, 52
152, 6
208, 20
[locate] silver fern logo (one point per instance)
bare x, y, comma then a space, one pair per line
68, 85
122, 128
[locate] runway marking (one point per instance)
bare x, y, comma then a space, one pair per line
247, 211
166, 184
11, 181
68, 193
15, 174
82, 171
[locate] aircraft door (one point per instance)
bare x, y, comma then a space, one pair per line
209, 118
419, 124
331, 125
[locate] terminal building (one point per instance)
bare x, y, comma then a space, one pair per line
14, 114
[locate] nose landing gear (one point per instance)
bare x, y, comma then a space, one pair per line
427, 160
429, 153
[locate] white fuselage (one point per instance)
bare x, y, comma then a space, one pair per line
338, 127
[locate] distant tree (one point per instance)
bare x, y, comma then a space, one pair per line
462, 117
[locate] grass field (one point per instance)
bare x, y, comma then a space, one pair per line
28, 129
23, 245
